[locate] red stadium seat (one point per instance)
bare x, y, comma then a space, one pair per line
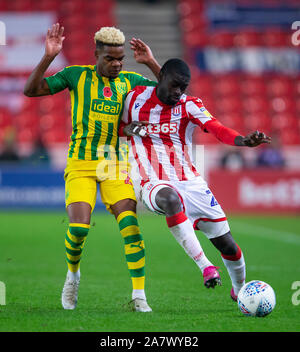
228, 105
29, 104
193, 23
222, 39
53, 137
71, 7
189, 7
232, 120
276, 37
284, 120
201, 85
280, 86
283, 104
252, 85
46, 5
74, 23
258, 121
19, 5
255, 104
247, 38
195, 39
27, 135
290, 137
47, 105
26, 119
98, 7
5, 118
226, 85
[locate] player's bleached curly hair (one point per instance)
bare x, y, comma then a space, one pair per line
109, 36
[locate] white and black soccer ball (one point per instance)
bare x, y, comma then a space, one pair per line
256, 298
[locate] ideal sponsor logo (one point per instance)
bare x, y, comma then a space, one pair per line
106, 106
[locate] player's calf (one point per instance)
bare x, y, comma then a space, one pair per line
233, 259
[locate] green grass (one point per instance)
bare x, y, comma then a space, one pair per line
33, 268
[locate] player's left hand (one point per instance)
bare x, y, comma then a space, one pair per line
136, 128
141, 51
256, 138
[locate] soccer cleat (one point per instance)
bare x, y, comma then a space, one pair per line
233, 295
70, 293
140, 305
211, 276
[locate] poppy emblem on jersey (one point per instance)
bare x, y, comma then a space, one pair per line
107, 92
176, 111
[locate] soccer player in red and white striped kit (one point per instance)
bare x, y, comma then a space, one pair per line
160, 121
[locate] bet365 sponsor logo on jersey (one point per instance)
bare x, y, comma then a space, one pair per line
107, 107
163, 128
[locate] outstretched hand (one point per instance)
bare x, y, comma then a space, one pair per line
54, 40
141, 51
136, 128
256, 138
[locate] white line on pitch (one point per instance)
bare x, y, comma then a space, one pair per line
262, 231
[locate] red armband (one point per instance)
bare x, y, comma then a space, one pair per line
223, 134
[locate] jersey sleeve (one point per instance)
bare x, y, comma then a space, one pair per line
201, 117
136, 79
126, 115
60, 81
197, 113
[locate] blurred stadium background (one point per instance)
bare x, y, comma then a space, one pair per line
244, 67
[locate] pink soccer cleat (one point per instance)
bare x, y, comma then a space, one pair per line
211, 276
233, 295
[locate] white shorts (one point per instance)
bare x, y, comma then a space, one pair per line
198, 203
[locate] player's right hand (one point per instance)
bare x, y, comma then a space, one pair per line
54, 40
136, 128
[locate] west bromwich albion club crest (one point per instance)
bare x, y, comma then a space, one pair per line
121, 87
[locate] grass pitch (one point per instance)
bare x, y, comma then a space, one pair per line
33, 269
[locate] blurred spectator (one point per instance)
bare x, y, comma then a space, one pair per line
232, 160
39, 154
9, 150
271, 155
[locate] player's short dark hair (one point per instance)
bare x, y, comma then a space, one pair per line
176, 66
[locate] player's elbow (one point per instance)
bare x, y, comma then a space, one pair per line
28, 92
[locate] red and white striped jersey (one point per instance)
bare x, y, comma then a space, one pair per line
166, 152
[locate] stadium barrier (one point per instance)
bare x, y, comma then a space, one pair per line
262, 191
27, 188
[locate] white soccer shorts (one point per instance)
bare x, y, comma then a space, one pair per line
198, 202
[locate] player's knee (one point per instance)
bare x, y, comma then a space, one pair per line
168, 200
225, 244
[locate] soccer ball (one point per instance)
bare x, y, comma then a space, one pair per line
256, 298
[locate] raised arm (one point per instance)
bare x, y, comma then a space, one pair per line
36, 85
143, 55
